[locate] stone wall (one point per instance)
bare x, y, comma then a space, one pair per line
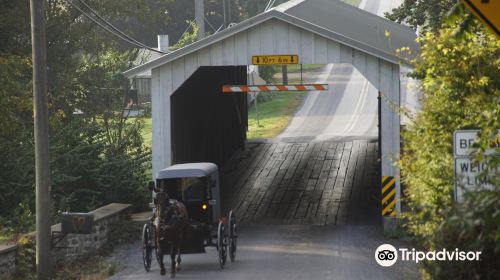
73, 246
77, 245
7, 260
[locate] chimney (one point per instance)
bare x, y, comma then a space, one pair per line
163, 43
199, 15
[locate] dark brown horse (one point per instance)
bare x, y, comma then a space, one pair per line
171, 227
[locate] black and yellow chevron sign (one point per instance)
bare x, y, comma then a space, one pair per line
388, 196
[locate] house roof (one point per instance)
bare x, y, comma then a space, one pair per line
332, 19
143, 57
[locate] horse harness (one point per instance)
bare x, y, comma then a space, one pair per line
174, 219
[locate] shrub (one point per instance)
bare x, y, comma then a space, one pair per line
267, 73
461, 90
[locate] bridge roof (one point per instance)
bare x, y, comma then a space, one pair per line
331, 19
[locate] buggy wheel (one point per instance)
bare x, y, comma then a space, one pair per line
147, 247
222, 244
233, 236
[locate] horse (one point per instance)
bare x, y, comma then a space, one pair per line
171, 227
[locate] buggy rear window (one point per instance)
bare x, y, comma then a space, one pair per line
190, 189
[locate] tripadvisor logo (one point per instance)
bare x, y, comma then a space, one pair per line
387, 255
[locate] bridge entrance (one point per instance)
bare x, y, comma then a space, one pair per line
316, 32
208, 125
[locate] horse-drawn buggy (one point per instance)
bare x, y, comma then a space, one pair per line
187, 216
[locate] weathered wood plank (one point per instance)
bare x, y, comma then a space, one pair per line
306, 183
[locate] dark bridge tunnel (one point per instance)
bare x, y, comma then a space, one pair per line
208, 125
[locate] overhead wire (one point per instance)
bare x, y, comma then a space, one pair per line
209, 24
123, 37
187, 29
274, 1
269, 5
111, 25
120, 34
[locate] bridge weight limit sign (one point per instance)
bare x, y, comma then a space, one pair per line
468, 171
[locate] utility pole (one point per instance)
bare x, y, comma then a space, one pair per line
229, 12
284, 74
224, 13
42, 168
199, 14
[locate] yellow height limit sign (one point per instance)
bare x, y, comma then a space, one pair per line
275, 59
488, 11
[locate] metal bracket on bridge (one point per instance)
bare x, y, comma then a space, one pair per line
75, 223
259, 88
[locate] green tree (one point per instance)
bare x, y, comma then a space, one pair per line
189, 37
96, 157
461, 90
427, 14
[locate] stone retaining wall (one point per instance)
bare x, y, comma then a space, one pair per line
7, 260
73, 246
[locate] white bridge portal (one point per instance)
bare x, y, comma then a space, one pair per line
318, 32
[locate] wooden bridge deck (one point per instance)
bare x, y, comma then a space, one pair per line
301, 183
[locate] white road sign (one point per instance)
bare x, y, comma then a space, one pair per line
463, 142
467, 176
467, 171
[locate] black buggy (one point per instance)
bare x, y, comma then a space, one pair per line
197, 186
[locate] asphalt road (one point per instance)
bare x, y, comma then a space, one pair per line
348, 109
284, 252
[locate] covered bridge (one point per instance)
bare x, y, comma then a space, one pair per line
194, 121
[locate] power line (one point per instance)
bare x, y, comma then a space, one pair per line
267, 6
104, 27
209, 24
111, 25
270, 4
187, 29
124, 37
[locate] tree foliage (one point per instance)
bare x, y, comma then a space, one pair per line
427, 14
96, 157
173, 17
461, 90
188, 37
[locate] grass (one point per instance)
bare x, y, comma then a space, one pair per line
147, 132
274, 114
147, 136
91, 268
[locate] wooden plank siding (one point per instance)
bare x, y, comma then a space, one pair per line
274, 37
